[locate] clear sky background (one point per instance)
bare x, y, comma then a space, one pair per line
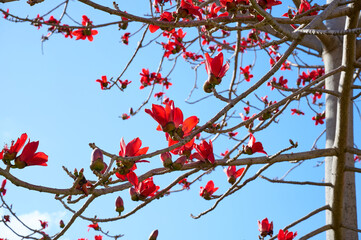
48, 90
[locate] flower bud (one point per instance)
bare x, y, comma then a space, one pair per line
96, 163
166, 159
119, 205
61, 224
2, 189
133, 194
81, 172
178, 164
76, 174
153, 235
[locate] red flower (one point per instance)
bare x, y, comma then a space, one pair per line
232, 134
265, 227
2, 189
265, 99
319, 118
285, 65
232, 174
103, 82
29, 157
316, 95
296, 111
52, 20
132, 149
185, 150
213, 10
10, 154
281, 83
37, 21
286, 235
253, 146
144, 189
145, 80
247, 109
125, 38
204, 152
231, 5
190, 55
95, 226
267, 4
6, 14
215, 68
124, 84
225, 153
307, 77
159, 95
247, 75
208, 190
43, 224
188, 9
125, 116
85, 33
84, 184
305, 6
165, 16
185, 183
170, 119
98, 237
66, 31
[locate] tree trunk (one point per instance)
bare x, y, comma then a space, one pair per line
332, 56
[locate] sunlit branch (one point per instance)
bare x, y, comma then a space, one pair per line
353, 169
315, 232
351, 228
330, 32
296, 182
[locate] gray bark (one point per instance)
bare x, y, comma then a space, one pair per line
332, 56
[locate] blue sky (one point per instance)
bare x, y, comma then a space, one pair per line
53, 97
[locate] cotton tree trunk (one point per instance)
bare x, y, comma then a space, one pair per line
333, 57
